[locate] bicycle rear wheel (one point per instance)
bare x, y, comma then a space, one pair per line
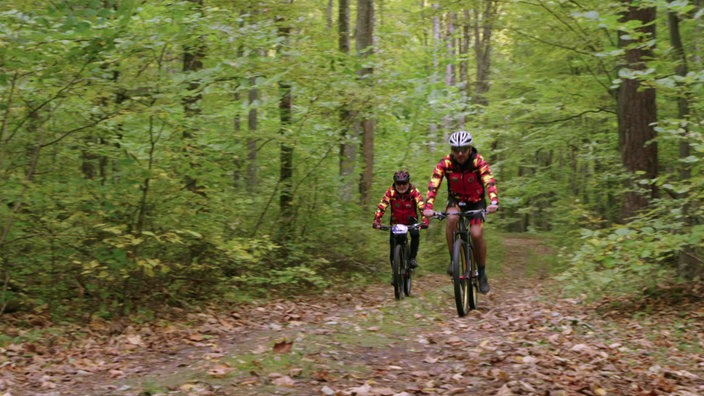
407, 274
397, 274
459, 277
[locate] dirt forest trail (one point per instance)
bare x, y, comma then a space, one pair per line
524, 340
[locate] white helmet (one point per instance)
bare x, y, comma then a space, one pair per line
460, 138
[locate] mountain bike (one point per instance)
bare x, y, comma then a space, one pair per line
465, 273
401, 271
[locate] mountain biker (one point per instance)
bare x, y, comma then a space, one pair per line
406, 202
469, 180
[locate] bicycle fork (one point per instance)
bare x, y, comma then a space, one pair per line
405, 252
470, 272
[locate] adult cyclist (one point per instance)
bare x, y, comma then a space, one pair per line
470, 181
406, 202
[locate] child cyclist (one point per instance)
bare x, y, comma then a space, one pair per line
406, 204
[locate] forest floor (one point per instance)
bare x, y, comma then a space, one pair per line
524, 340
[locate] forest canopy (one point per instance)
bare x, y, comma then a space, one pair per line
169, 152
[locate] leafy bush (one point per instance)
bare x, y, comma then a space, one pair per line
626, 258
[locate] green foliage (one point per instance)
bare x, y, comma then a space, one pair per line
643, 253
114, 199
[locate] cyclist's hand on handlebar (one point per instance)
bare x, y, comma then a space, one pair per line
492, 208
425, 223
376, 225
428, 213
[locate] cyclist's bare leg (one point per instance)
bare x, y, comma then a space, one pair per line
477, 232
451, 226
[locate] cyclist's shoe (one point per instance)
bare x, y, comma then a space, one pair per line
483, 281
413, 263
449, 268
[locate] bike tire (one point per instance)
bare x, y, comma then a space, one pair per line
459, 280
472, 278
396, 273
407, 275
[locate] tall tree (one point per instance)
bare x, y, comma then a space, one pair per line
253, 94
684, 96
286, 156
365, 48
348, 134
94, 164
450, 67
193, 54
435, 73
637, 111
251, 176
690, 266
483, 29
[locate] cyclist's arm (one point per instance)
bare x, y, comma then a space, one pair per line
434, 184
418, 198
488, 181
383, 204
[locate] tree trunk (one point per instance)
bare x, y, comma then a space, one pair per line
482, 48
96, 165
193, 55
237, 160
450, 45
285, 108
449, 121
683, 98
286, 166
252, 124
465, 42
690, 263
435, 74
365, 47
328, 15
348, 134
245, 163
365, 185
343, 25
637, 109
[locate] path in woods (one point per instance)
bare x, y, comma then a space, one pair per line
524, 340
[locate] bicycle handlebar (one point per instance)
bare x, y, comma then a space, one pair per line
466, 213
415, 226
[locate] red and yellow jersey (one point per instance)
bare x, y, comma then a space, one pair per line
403, 206
469, 182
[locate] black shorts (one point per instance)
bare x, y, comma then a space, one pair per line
463, 205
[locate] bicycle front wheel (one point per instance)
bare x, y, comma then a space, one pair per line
460, 280
472, 277
397, 273
407, 274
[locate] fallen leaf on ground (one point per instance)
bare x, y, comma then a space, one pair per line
220, 371
283, 347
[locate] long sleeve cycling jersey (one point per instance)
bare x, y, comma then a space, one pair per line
403, 206
469, 182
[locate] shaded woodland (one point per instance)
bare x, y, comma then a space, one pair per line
159, 153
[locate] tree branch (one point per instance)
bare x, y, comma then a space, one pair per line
69, 132
57, 94
572, 117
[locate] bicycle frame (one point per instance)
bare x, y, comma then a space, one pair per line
462, 232
401, 271
465, 274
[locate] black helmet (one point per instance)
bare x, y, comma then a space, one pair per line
402, 176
